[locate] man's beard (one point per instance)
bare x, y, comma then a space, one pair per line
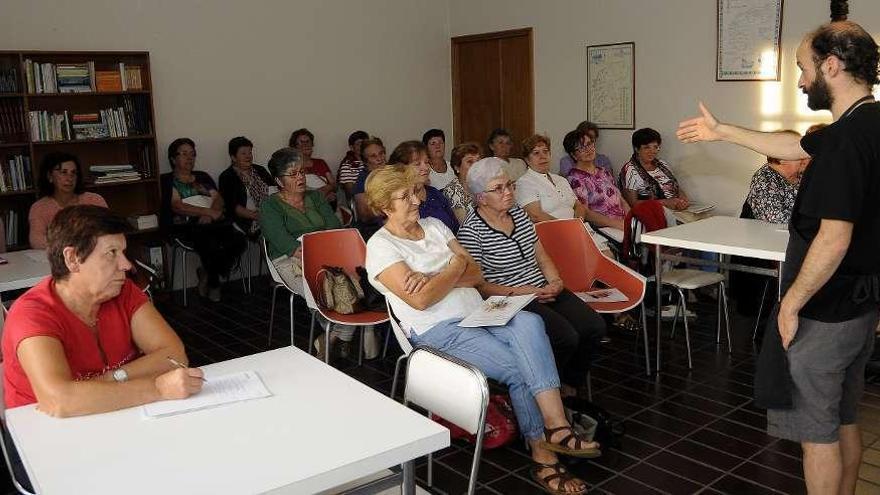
818, 95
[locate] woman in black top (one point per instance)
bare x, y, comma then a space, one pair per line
193, 211
244, 186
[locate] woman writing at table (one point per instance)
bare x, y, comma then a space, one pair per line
429, 281
86, 340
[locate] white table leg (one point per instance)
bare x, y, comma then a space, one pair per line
779, 282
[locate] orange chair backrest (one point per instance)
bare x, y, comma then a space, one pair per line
574, 253
344, 248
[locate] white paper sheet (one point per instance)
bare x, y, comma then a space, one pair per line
496, 311
697, 209
199, 200
217, 391
602, 295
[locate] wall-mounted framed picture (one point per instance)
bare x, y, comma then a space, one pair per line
749, 39
611, 85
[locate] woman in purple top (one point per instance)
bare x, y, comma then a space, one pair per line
594, 186
434, 203
566, 163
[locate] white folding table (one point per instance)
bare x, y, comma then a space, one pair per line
726, 236
320, 429
23, 269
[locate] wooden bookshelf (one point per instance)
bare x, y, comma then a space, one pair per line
138, 197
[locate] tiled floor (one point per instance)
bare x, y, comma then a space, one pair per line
687, 431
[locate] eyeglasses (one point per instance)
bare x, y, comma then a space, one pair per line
585, 146
406, 197
297, 173
500, 188
650, 147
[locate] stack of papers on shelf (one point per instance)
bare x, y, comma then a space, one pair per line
104, 174
217, 391
496, 311
143, 222
602, 295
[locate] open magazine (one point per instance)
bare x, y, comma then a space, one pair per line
496, 311
602, 295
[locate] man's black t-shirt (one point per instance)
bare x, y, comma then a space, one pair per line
841, 183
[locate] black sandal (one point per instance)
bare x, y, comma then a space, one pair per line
559, 473
563, 447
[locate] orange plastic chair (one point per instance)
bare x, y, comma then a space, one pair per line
581, 264
344, 248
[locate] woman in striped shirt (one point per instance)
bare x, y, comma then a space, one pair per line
503, 241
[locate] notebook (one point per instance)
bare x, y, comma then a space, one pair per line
217, 391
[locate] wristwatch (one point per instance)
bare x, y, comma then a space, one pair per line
120, 375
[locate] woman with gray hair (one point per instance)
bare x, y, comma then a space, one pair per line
503, 241
287, 215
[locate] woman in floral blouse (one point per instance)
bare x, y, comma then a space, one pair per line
774, 188
594, 186
462, 202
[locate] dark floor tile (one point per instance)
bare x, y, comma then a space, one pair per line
676, 410
746, 417
445, 479
702, 404
506, 458
732, 485
662, 480
664, 422
617, 407
462, 461
722, 396
649, 434
517, 485
649, 388
725, 443
780, 462
626, 486
732, 386
705, 455
243, 348
788, 447
635, 448
591, 473
632, 396
614, 459
770, 478
740, 432
685, 467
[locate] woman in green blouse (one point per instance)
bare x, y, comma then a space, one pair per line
287, 215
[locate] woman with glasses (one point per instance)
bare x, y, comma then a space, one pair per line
434, 203
593, 185
503, 241
645, 176
193, 211
287, 215
430, 282
244, 186
318, 172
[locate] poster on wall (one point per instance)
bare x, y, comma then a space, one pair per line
749, 34
611, 83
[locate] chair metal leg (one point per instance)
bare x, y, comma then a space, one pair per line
312, 331
726, 318
272, 315
291, 320
396, 374
718, 326
675, 319
687, 333
430, 466
361, 350
645, 338
327, 343
589, 386
760, 309
387, 340
184, 278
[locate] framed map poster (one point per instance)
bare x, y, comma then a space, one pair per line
749, 34
611, 84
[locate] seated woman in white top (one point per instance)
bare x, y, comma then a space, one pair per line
435, 143
645, 176
429, 281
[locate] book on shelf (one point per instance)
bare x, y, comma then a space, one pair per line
15, 173
80, 77
11, 220
109, 174
74, 78
107, 81
11, 120
45, 126
106, 123
8, 80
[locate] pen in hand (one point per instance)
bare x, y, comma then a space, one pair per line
181, 365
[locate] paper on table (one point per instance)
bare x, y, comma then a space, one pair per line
613, 233
602, 295
199, 200
697, 209
496, 311
217, 390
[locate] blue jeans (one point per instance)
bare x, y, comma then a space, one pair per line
517, 355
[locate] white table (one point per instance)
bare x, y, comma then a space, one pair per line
24, 269
319, 430
726, 236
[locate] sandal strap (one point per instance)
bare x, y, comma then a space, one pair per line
572, 434
559, 473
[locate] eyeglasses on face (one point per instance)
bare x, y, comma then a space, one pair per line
500, 188
585, 146
408, 196
650, 147
295, 173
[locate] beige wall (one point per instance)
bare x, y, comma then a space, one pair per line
675, 66
263, 68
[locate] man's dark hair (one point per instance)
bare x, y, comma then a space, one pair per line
645, 136
432, 133
173, 147
239, 142
849, 42
495, 134
354, 136
53, 161
294, 136
79, 227
572, 140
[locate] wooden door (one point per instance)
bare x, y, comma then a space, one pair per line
493, 86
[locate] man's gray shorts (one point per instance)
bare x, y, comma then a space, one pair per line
827, 362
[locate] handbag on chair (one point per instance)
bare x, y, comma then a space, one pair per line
340, 292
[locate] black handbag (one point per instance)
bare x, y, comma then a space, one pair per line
373, 300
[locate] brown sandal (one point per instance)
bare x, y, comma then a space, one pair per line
559, 473
565, 447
